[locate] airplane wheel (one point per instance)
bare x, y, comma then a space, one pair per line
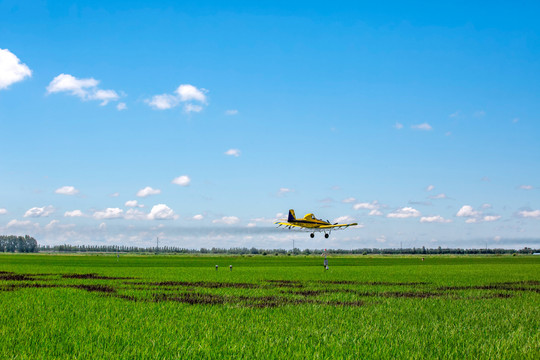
312, 235
326, 235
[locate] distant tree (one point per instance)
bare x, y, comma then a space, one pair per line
22, 244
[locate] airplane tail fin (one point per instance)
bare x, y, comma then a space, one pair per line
292, 217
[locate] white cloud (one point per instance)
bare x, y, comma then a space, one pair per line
345, 219
109, 213
3, 211
12, 70
348, 200
39, 211
263, 220
104, 96
182, 180
115, 194
430, 187
404, 213
489, 218
51, 225
282, 191
434, 219
187, 92
162, 102
438, 196
381, 239
121, 106
198, 217
74, 213
365, 205
229, 220
398, 126
133, 203
526, 187
515, 120
456, 114
474, 216
192, 108
375, 212
161, 212
467, 211
67, 190
423, 126
233, 152
85, 89
231, 112
103, 226
69, 83
56, 225
25, 224
486, 206
251, 225
535, 214
147, 191
135, 214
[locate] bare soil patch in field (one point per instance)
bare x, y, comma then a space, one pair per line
292, 292
528, 285
373, 283
285, 283
93, 276
10, 276
194, 284
94, 288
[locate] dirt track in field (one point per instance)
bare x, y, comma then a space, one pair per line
267, 294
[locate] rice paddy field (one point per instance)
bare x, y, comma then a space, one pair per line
171, 307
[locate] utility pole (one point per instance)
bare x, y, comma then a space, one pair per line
157, 244
293, 246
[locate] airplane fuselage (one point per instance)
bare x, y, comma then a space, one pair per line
309, 222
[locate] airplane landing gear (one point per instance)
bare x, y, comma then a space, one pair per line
326, 235
312, 235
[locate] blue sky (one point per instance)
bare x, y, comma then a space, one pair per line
420, 122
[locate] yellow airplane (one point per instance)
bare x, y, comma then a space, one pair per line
312, 224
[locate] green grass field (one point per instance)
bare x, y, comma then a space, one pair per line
165, 307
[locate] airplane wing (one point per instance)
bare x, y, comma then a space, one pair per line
337, 226
315, 228
289, 225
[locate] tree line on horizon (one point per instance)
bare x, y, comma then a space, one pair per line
21, 244
27, 244
255, 251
